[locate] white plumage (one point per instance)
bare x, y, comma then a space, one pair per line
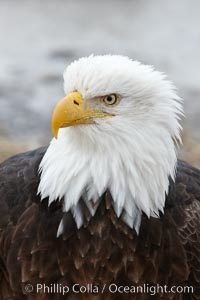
132, 154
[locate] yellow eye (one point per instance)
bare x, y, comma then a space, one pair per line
110, 99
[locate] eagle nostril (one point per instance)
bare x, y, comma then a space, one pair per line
75, 102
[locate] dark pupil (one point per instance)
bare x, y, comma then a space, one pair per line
109, 98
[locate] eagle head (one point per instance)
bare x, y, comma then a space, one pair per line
116, 129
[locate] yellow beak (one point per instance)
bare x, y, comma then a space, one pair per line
71, 111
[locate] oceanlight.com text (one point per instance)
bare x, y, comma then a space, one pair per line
106, 288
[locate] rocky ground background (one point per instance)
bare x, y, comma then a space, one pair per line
39, 38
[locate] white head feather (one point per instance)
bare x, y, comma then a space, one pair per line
132, 154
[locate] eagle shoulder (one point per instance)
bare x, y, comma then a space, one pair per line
183, 208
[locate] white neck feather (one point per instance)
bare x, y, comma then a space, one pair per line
134, 166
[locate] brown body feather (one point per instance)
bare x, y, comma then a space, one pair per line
104, 250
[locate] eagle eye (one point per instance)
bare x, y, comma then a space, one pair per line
110, 99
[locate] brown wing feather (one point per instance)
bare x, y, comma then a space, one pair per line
184, 207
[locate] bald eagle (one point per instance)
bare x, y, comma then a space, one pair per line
106, 211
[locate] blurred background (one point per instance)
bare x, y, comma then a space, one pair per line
39, 38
